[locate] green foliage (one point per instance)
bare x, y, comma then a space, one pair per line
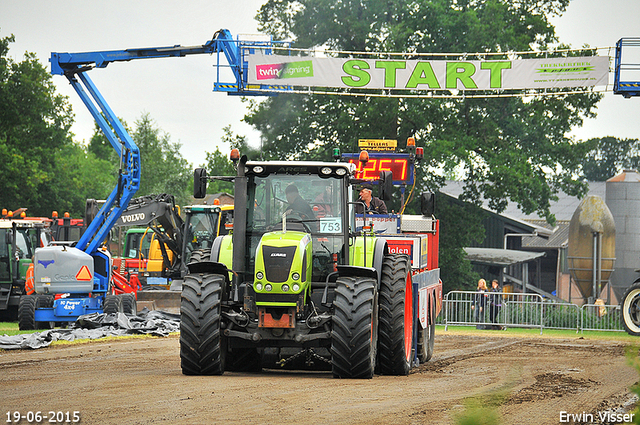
476, 413
219, 164
34, 128
164, 170
609, 156
560, 316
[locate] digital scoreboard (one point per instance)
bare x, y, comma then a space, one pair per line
401, 166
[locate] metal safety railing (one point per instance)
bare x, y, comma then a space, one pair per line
500, 310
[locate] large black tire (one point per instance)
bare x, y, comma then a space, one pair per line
129, 304
200, 255
630, 310
112, 304
395, 342
354, 331
203, 348
426, 337
27, 312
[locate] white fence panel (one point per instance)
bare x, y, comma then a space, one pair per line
498, 310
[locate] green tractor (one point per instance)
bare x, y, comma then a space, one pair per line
18, 240
296, 286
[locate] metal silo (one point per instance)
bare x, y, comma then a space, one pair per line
623, 200
592, 245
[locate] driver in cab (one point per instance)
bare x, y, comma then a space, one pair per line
297, 205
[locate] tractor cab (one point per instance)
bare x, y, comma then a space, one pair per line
291, 209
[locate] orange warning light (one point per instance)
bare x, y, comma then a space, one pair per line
83, 274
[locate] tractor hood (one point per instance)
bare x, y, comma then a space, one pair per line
283, 263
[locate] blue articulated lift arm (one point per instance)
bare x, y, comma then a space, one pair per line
75, 65
125, 147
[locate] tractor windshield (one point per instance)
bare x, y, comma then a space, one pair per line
309, 204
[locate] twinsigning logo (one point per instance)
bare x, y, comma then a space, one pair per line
279, 71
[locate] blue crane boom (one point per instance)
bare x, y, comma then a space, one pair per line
74, 67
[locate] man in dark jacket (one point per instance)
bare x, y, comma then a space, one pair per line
298, 205
373, 205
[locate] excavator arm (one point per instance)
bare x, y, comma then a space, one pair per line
160, 209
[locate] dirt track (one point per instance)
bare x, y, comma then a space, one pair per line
137, 381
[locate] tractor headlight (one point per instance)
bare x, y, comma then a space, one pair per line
296, 287
341, 171
285, 288
268, 287
325, 170
258, 169
259, 275
258, 286
295, 276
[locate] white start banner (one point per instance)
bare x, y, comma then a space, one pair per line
427, 75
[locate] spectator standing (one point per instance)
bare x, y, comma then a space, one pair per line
479, 302
495, 303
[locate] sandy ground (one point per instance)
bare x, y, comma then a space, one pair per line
525, 380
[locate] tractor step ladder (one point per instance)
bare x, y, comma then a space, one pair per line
5, 293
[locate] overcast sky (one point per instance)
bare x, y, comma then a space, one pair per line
177, 92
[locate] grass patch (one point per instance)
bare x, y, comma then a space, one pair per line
11, 328
105, 339
535, 332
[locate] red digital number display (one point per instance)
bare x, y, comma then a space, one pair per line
399, 168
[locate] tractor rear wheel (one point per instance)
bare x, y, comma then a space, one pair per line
27, 312
631, 309
426, 337
203, 348
396, 316
112, 304
354, 332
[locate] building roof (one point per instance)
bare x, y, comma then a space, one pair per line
558, 239
563, 208
500, 257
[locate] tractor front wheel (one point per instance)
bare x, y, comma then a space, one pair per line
354, 332
203, 348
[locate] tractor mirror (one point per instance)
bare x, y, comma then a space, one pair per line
386, 185
199, 183
427, 203
8, 238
